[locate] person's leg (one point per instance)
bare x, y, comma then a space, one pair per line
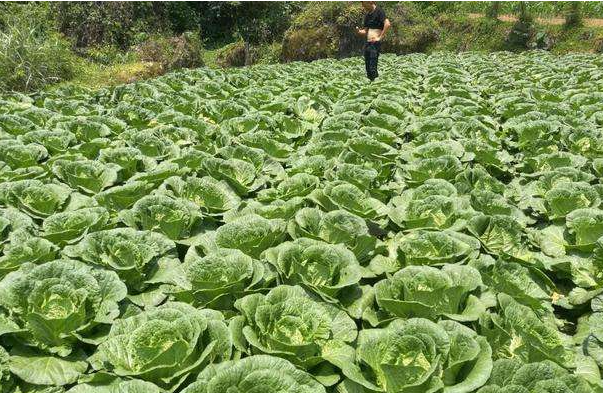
372, 62
376, 61
367, 60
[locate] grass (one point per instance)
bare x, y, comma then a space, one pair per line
590, 9
210, 57
459, 33
212, 48
579, 39
462, 33
95, 76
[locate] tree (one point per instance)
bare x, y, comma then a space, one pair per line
573, 15
493, 10
523, 29
524, 13
258, 22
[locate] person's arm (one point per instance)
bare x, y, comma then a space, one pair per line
386, 26
361, 32
364, 30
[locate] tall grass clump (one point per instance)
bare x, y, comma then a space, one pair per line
32, 54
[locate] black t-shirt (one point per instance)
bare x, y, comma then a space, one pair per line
375, 19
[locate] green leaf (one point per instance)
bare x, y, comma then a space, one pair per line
40, 369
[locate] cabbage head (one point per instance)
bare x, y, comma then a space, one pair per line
251, 234
290, 323
55, 305
71, 226
164, 344
324, 268
28, 250
218, 278
116, 386
178, 219
123, 197
336, 227
34, 197
138, 257
515, 376
434, 248
520, 332
428, 292
418, 355
346, 196
213, 196
254, 374
87, 176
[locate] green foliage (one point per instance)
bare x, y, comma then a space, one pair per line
320, 31
164, 344
309, 44
262, 22
328, 30
599, 46
591, 9
231, 55
32, 54
288, 228
171, 53
513, 375
117, 24
49, 316
324, 330
267, 54
268, 373
493, 10
419, 355
573, 15
107, 54
523, 30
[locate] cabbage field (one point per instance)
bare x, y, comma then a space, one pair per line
295, 229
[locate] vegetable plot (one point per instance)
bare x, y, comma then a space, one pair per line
293, 229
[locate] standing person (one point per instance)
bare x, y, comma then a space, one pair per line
375, 26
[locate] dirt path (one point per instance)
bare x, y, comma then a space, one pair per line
545, 21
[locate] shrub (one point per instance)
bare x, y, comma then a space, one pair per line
412, 38
411, 31
523, 30
107, 54
171, 53
543, 40
31, 56
268, 54
232, 55
323, 30
310, 44
117, 23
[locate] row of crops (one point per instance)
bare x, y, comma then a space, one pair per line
293, 229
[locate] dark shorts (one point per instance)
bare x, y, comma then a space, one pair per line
371, 58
